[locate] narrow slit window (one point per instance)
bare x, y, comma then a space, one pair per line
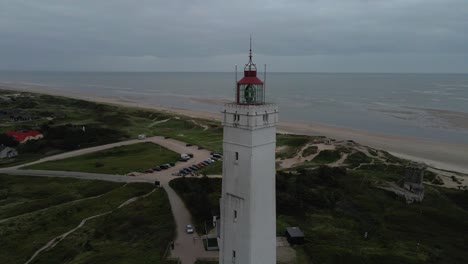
233, 257
237, 155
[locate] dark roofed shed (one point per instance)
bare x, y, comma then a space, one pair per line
294, 235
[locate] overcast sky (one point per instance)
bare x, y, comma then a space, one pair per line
213, 35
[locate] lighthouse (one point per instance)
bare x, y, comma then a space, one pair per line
248, 205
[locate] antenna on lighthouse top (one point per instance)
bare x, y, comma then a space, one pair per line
250, 50
250, 66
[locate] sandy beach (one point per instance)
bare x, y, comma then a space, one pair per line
442, 155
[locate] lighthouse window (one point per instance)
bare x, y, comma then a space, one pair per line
236, 118
237, 155
233, 257
235, 215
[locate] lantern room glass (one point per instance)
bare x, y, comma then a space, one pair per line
251, 94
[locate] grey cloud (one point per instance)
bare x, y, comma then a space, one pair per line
136, 35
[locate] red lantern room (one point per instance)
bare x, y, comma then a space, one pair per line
250, 89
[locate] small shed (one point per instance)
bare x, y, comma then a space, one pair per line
294, 235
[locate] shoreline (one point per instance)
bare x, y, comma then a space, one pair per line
441, 155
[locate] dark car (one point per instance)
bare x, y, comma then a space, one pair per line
188, 145
190, 155
166, 137
183, 171
217, 156
149, 171
157, 168
206, 163
164, 167
194, 167
200, 147
188, 169
172, 164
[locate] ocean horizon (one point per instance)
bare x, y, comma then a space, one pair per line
422, 105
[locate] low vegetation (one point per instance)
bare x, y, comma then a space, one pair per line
311, 150
290, 144
127, 235
21, 194
118, 160
327, 156
347, 220
357, 158
215, 168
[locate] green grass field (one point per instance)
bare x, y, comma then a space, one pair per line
136, 233
118, 160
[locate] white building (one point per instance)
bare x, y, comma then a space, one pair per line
248, 205
7, 152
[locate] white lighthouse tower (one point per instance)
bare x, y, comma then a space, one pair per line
248, 205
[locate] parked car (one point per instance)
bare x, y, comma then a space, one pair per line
142, 136
172, 164
166, 137
209, 160
188, 145
184, 159
190, 155
200, 147
188, 170
189, 229
201, 165
164, 167
157, 168
193, 167
149, 171
216, 155
206, 163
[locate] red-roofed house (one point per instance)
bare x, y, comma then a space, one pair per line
22, 137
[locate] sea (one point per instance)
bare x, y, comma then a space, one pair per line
426, 106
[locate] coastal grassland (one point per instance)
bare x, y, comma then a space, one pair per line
70, 124
357, 158
118, 160
199, 132
137, 233
335, 208
327, 156
290, 144
201, 196
26, 233
21, 194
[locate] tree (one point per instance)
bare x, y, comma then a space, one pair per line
8, 141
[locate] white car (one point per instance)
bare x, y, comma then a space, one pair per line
189, 229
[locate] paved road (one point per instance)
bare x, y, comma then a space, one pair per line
186, 247
82, 152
